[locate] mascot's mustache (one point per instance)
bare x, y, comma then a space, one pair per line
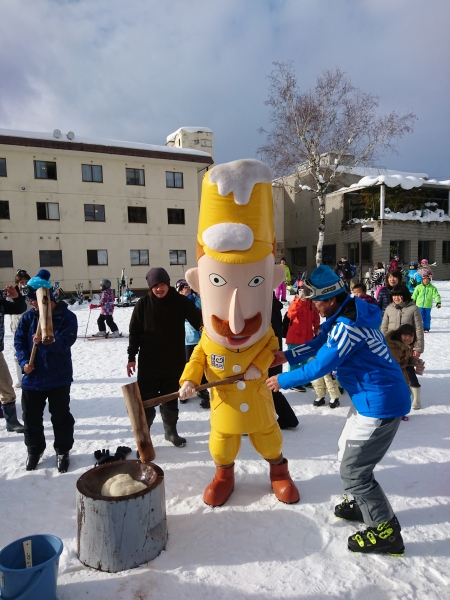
222, 327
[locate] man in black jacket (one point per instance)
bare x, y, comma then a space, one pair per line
7, 394
157, 333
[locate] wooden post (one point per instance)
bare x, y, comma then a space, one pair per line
138, 420
45, 315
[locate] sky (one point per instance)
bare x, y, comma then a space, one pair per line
137, 70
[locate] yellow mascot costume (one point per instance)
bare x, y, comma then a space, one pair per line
235, 277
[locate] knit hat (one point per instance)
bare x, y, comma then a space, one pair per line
424, 261
323, 284
157, 275
42, 280
181, 284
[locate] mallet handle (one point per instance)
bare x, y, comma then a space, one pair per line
138, 420
199, 388
33, 351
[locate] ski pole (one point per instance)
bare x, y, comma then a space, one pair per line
87, 325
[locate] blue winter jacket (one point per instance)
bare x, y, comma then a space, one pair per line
351, 344
192, 336
413, 278
53, 362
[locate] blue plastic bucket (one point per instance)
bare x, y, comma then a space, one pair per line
37, 582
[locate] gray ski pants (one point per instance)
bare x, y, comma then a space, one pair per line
362, 444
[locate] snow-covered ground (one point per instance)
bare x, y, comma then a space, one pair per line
254, 546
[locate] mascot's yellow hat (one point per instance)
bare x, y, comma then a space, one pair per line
236, 213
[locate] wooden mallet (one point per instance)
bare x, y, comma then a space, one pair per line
45, 315
135, 407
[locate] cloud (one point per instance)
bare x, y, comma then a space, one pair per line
140, 69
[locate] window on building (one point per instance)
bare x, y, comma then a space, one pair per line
206, 143
174, 180
177, 257
426, 249
44, 169
175, 216
50, 258
399, 248
94, 212
139, 257
135, 177
328, 254
446, 251
298, 256
137, 214
2, 167
47, 211
353, 252
92, 173
4, 209
6, 259
97, 257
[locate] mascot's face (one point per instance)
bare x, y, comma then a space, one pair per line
236, 299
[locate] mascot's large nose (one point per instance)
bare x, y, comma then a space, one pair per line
236, 318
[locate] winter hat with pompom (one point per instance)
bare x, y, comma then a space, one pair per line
42, 280
323, 284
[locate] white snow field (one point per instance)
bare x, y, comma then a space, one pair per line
253, 546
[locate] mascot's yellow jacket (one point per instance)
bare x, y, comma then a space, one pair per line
244, 406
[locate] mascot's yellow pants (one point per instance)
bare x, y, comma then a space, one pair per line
224, 447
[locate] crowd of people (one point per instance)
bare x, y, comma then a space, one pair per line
334, 355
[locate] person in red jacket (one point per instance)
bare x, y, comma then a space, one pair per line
304, 323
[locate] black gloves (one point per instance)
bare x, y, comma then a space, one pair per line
103, 456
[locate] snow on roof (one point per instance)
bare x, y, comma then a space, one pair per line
100, 142
171, 137
374, 176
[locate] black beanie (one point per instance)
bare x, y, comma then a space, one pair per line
157, 275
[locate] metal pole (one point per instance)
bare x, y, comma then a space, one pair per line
382, 200
360, 254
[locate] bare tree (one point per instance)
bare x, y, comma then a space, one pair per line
320, 130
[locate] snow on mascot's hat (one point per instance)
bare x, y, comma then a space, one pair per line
236, 213
323, 284
42, 280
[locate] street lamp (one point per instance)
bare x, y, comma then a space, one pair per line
363, 229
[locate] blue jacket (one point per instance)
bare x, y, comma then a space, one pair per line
192, 336
53, 362
351, 344
413, 278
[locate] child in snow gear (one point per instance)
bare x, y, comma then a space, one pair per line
424, 269
303, 325
281, 289
7, 394
192, 336
157, 333
423, 296
351, 343
107, 305
401, 342
321, 385
413, 277
360, 290
378, 277
48, 379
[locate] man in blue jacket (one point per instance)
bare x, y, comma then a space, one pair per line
351, 344
49, 378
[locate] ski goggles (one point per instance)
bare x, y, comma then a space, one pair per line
311, 292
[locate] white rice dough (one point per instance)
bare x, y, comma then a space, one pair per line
122, 485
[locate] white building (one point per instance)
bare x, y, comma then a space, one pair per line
85, 209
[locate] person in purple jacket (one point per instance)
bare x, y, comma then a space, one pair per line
351, 344
107, 298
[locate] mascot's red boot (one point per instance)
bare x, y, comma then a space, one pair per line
282, 484
221, 487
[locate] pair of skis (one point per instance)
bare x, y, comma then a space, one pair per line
91, 338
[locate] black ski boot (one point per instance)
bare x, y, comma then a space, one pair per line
319, 402
32, 461
171, 435
334, 403
384, 538
349, 510
63, 462
12, 424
